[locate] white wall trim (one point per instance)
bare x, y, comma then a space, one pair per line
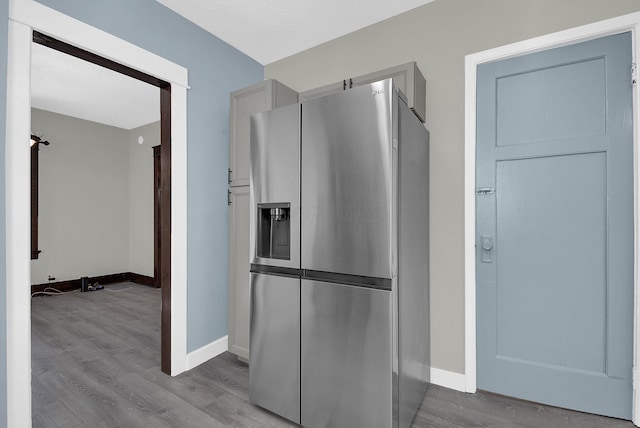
207, 352
448, 379
617, 25
25, 15
17, 160
77, 33
178, 230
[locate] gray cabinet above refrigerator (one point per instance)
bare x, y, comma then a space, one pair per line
262, 96
407, 78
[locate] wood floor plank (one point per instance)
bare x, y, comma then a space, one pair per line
92, 404
42, 400
158, 404
232, 377
96, 363
56, 416
197, 390
241, 413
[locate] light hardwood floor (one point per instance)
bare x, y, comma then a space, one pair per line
95, 360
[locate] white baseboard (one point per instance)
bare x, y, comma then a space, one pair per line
207, 352
445, 378
448, 379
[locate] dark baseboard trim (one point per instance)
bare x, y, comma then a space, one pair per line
74, 284
141, 279
71, 285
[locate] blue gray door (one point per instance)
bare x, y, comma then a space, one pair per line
555, 226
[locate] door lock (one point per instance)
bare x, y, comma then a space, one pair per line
486, 242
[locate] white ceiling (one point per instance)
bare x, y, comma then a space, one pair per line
265, 30
269, 30
67, 85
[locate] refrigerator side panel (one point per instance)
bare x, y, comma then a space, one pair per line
275, 181
274, 369
346, 356
413, 264
347, 182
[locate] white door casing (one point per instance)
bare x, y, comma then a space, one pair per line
25, 16
630, 22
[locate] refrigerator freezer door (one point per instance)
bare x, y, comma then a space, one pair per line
274, 369
347, 182
346, 356
275, 184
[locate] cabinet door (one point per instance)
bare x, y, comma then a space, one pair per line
262, 96
244, 102
407, 78
322, 91
239, 271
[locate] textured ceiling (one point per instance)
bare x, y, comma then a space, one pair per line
269, 30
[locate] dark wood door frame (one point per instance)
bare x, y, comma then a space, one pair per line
157, 197
165, 227
35, 149
165, 177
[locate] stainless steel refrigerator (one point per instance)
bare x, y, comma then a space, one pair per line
339, 330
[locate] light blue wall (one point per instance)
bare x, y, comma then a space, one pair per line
4, 11
215, 69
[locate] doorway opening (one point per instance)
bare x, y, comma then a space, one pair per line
23, 21
162, 255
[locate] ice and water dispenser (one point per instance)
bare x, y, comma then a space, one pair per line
274, 227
